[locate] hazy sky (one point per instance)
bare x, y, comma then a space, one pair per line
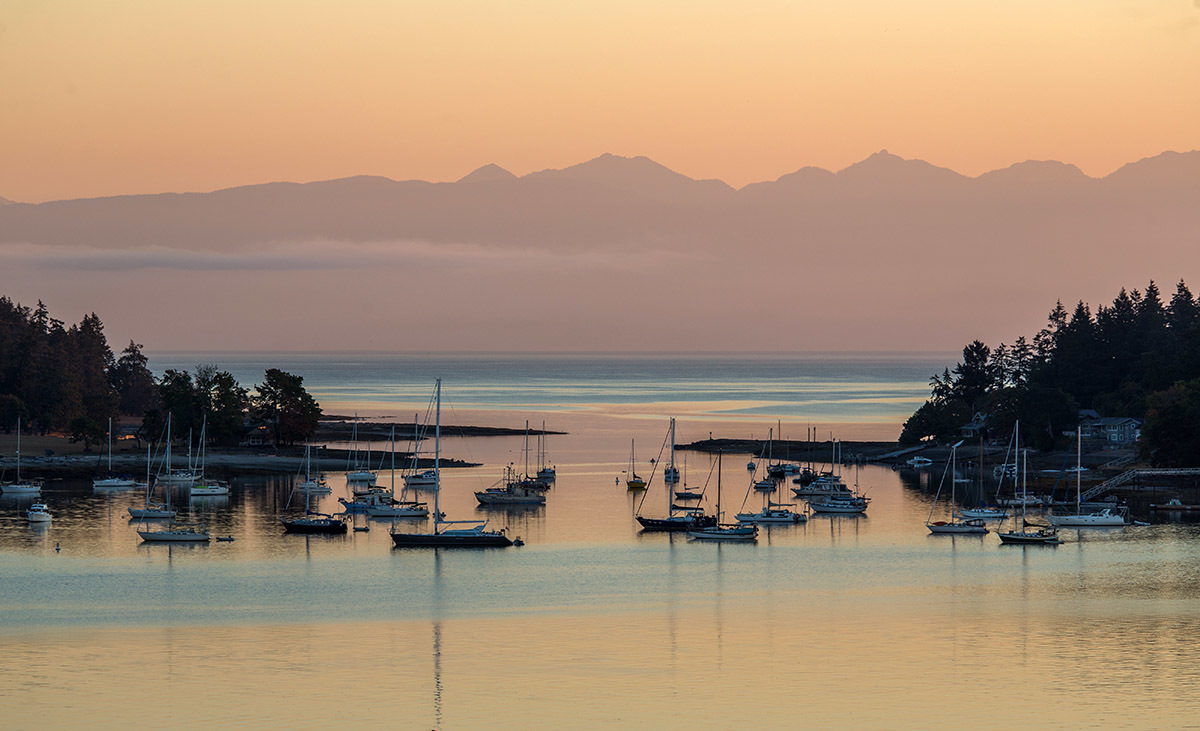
101, 98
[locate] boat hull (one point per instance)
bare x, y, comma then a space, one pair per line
1086, 521
676, 524
725, 534
1029, 539
173, 536
150, 513
315, 527
21, 489
442, 540
941, 528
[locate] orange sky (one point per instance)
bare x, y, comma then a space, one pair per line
130, 97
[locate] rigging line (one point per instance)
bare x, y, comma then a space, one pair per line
652, 471
939, 492
466, 444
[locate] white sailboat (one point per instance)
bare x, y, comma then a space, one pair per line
385, 505
969, 526
172, 534
1103, 518
632, 481
315, 485
152, 510
355, 473
477, 536
113, 482
207, 488
545, 471
671, 473
20, 487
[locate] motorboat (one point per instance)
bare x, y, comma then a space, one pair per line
38, 513
1174, 504
515, 491
919, 462
1104, 518
845, 505
210, 488
773, 514
983, 513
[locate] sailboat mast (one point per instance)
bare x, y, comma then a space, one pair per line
527, 447
719, 453
393, 460
672, 442
110, 445
18, 450
1078, 466
437, 457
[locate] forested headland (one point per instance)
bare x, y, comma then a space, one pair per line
1138, 357
56, 378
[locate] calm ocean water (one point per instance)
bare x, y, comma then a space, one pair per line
842, 622
877, 389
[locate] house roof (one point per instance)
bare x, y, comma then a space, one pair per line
1116, 420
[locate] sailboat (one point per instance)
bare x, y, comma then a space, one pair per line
207, 488
767, 484
113, 482
172, 534
184, 478
671, 473
28, 487
687, 493
1020, 533
972, 526
632, 481
152, 510
545, 471
679, 517
474, 537
726, 532
355, 473
417, 477
386, 505
316, 485
312, 522
1103, 518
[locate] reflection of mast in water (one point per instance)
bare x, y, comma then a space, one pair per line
437, 637
719, 597
672, 588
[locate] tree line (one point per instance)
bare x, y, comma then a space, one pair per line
1138, 357
55, 378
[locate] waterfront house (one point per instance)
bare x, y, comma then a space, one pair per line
1113, 430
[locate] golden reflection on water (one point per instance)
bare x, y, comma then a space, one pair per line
870, 661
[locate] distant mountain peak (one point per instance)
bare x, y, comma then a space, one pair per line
888, 170
1035, 171
489, 173
5, 202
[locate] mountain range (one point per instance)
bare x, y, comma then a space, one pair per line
886, 253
